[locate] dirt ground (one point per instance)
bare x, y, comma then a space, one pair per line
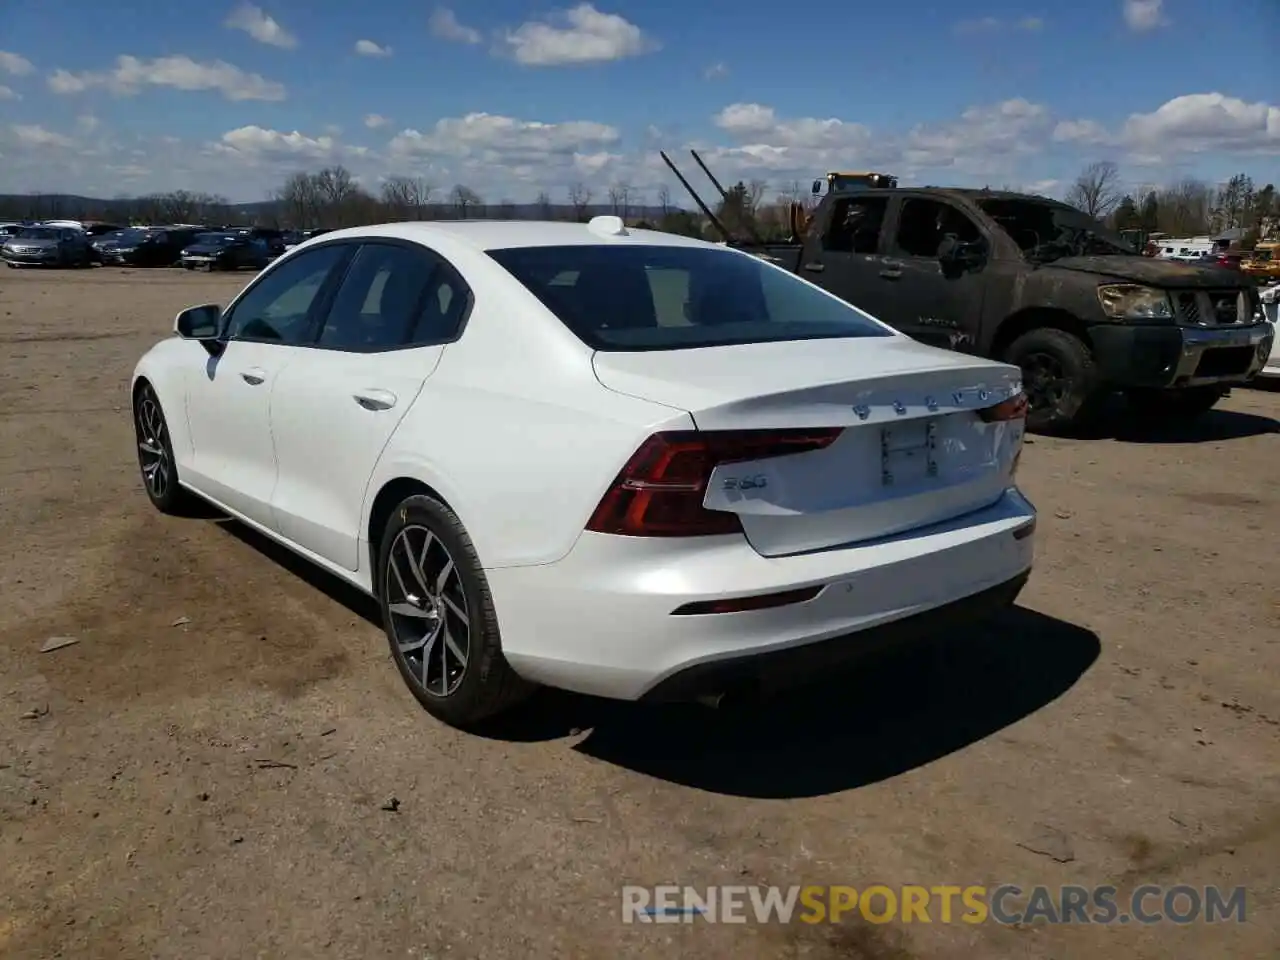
207, 772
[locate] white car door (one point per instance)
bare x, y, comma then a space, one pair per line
229, 400
334, 411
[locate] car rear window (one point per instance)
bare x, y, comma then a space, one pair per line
650, 297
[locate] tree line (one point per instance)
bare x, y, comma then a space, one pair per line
1187, 208
332, 197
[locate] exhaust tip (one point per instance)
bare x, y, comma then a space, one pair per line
740, 695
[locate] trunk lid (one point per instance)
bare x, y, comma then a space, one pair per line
913, 451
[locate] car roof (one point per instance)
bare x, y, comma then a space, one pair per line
499, 234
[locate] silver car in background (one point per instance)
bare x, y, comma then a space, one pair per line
44, 246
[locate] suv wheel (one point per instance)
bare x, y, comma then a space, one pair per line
1185, 404
1059, 376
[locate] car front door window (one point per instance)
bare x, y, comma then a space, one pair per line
276, 308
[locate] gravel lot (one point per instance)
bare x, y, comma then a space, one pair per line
205, 773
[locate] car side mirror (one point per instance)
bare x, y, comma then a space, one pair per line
200, 323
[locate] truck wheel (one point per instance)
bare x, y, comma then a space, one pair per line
1185, 404
1059, 376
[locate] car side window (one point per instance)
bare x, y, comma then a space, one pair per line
379, 300
924, 224
855, 225
275, 309
443, 308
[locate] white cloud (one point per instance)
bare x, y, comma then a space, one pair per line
8, 93
491, 138
37, 136
1011, 142
716, 71
179, 72
15, 64
87, 123
1194, 123
581, 34
254, 21
367, 48
1144, 15
444, 24
992, 25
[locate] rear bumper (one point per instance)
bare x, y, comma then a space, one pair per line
601, 620
1176, 356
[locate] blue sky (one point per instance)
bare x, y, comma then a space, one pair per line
511, 98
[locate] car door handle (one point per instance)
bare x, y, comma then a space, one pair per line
253, 376
815, 267
375, 399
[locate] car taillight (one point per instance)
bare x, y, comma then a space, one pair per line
1015, 408
659, 492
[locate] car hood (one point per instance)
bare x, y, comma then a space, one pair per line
1149, 270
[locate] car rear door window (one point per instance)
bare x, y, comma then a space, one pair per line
275, 309
855, 225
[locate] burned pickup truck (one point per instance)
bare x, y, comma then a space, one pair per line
1031, 281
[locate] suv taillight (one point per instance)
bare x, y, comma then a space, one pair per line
659, 492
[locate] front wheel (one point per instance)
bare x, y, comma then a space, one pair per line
1059, 376
439, 616
1185, 404
155, 454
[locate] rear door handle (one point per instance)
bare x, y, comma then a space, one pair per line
374, 399
253, 376
815, 267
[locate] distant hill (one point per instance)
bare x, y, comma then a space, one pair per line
69, 206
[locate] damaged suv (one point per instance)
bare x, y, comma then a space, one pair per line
1033, 282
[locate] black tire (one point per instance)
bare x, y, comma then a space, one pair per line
1172, 405
458, 690
1060, 377
155, 455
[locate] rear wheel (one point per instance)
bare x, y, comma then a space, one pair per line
1185, 404
439, 616
155, 454
1059, 376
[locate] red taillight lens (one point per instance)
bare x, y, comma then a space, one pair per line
659, 492
1015, 408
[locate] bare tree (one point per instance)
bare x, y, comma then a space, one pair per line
1185, 208
755, 194
1097, 189
620, 197
407, 197
464, 199
579, 199
664, 198
545, 211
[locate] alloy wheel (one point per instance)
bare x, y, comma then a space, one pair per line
427, 605
153, 449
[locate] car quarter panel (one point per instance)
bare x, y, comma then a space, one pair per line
166, 366
513, 429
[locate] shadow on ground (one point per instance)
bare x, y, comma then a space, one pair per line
899, 710
1117, 421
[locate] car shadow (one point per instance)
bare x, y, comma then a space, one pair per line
899, 711
355, 600
1120, 423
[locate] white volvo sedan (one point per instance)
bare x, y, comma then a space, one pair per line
619, 462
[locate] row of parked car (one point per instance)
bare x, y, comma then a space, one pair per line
66, 243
